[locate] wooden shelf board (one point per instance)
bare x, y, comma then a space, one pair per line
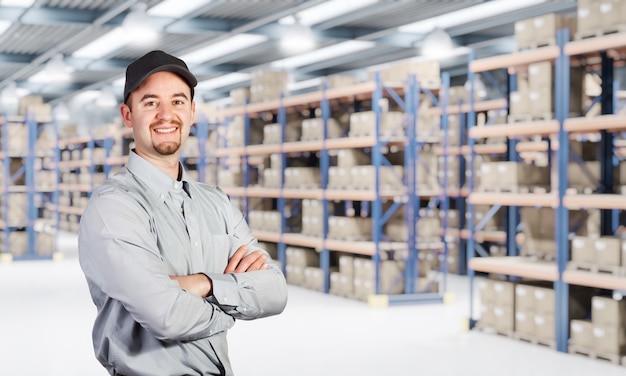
225, 152
266, 236
598, 280
516, 129
514, 199
527, 146
75, 187
611, 123
302, 146
358, 195
478, 149
64, 142
15, 189
479, 106
263, 149
515, 59
595, 201
303, 240
66, 209
74, 164
516, 266
594, 45
116, 160
479, 236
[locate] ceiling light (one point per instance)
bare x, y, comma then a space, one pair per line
313, 82
103, 46
225, 80
9, 100
138, 26
326, 11
17, 3
106, 98
176, 8
322, 54
223, 48
4, 26
61, 113
55, 70
299, 38
437, 43
466, 15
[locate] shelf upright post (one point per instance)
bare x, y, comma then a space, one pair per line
460, 201
6, 181
57, 178
445, 202
324, 166
202, 135
512, 212
470, 250
245, 162
608, 222
281, 246
562, 80
29, 166
108, 146
411, 273
377, 96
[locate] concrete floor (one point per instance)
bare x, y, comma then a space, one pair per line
46, 316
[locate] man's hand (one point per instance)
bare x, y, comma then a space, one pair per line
198, 284
241, 263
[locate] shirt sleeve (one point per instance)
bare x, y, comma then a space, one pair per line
119, 255
249, 295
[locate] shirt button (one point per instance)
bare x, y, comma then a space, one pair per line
195, 243
162, 197
225, 299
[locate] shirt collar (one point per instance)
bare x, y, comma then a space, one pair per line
157, 181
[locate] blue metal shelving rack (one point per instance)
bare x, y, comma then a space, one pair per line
28, 172
562, 78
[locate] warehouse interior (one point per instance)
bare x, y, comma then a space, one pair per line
435, 179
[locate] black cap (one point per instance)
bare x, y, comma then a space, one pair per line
152, 62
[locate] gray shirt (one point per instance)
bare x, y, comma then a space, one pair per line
139, 228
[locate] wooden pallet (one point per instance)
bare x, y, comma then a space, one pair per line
595, 33
523, 118
536, 341
599, 269
613, 358
532, 45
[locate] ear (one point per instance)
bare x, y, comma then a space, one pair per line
125, 112
193, 110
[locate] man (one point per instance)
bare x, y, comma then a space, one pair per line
170, 262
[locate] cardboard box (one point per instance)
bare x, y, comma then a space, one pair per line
608, 312
609, 340
608, 251
302, 177
581, 334
525, 323
588, 15
545, 328
583, 250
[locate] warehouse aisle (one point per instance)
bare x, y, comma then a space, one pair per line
46, 316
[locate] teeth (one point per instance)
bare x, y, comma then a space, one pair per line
167, 130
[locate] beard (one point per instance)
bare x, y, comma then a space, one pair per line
169, 147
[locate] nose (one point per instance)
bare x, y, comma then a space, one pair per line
165, 112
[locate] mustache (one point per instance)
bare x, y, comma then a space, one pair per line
158, 123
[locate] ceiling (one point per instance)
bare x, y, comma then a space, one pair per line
51, 27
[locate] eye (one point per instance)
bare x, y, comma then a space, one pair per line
150, 103
179, 102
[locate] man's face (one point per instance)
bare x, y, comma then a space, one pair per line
160, 112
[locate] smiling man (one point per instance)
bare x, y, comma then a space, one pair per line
170, 262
